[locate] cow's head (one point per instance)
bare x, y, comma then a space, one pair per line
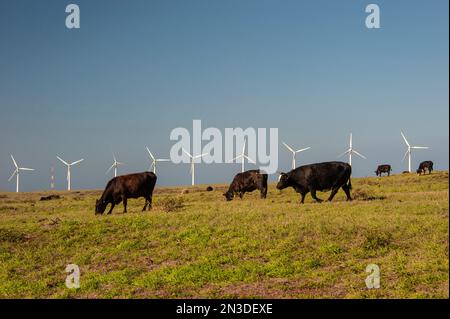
283, 181
376, 172
100, 206
228, 195
419, 171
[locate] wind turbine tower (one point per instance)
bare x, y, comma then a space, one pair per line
68, 168
155, 160
17, 172
192, 160
243, 157
409, 150
114, 165
294, 152
351, 151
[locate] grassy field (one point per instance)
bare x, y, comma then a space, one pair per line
194, 244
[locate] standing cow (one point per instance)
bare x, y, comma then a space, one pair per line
385, 168
425, 166
318, 177
247, 182
127, 186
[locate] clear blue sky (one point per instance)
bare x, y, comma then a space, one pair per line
137, 69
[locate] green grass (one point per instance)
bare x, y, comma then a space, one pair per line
196, 244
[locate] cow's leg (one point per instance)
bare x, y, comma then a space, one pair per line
333, 192
313, 194
347, 191
145, 205
149, 200
241, 194
124, 204
111, 208
302, 199
263, 192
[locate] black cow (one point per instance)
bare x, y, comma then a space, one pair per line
127, 186
247, 182
385, 168
425, 166
318, 177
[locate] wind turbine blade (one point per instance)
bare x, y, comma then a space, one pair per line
288, 147
14, 161
120, 163
13, 174
150, 153
405, 139
233, 159
420, 147
76, 162
199, 156
162, 160
114, 157
346, 152
404, 156
249, 159
303, 149
26, 169
351, 140
187, 153
112, 166
360, 155
63, 161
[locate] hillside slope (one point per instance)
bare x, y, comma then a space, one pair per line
195, 244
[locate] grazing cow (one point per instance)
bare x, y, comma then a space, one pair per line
425, 166
127, 186
318, 177
385, 168
247, 182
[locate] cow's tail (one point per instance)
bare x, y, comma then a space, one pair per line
349, 184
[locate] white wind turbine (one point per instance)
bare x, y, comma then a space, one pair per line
242, 156
351, 151
114, 165
17, 171
68, 169
294, 152
408, 151
155, 160
193, 158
